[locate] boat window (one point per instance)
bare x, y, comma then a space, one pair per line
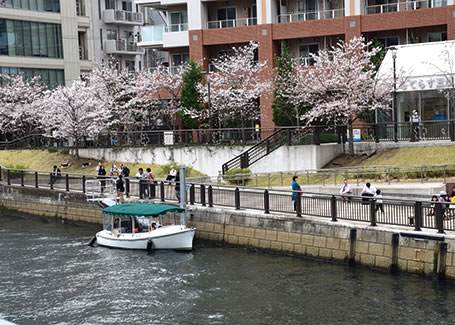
126, 226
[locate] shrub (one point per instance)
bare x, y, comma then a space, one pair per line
233, 176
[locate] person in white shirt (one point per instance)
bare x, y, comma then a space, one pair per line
415, 121
143, 187
172, 174
140, 174
378, 199
346, 190
368, 191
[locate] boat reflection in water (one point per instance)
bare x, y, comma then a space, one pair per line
140, 226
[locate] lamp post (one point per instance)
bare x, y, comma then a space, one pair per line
394, 103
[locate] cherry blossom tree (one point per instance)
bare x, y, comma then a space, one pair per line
19, 112
342, 84
236, 85
75, 111
124, 94
164, 84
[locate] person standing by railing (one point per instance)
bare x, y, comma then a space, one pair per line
368, 191
56, 174
143, 188
415, 122
120, 187
102, 176
296, 190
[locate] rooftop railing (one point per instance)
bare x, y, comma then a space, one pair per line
251, 21
404, 6
310, 15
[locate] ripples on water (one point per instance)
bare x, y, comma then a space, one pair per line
49, 276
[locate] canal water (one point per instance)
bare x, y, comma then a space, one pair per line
49, 276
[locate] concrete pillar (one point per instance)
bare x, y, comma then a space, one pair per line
451, 23
352, 28
198, 52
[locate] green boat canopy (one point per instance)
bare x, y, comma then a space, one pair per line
141, 209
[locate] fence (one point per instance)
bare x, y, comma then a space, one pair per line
416, 214
335, 176
379, 132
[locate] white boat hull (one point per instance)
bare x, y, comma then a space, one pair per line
174, 237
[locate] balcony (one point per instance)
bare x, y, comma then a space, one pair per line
80, 8
121, 17
251, 21
122, 47
403, 6
310, 15
165, 36
83, 54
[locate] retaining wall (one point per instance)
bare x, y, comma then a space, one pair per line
353, 242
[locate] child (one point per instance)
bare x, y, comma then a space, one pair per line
434, 198
378, 198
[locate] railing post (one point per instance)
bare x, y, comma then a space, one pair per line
203, 195
127, 187
22, 178
51, 183
67, 182
153, 190
333, 207
162, 197
210, 195
83, 184
452, 130
36, 180
376, 132
8, 177
298, 205
439, 214
316, 139
418, 216
372, 213
237, 198
266, 202
1, 171
289, 137
192, 194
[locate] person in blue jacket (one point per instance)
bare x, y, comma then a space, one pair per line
296, 189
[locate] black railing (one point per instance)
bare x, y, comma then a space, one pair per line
409, 213
379, 132
289, 136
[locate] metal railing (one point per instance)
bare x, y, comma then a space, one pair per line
128, 16
379, 132
172, 28
444, 173
403, 6
310, 15
390, 211
240, 22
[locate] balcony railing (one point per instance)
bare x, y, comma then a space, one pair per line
122, 46
404, 6
80, 8
252, 21
310, 15
83, 53
151, 34
176, 69
123, 17
176, 28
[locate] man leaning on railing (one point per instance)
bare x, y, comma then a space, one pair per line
346, 191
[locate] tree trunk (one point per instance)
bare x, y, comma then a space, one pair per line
77, 148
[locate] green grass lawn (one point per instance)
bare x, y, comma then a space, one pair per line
44, 160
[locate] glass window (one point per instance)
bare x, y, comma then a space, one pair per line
227, 16
389, 41
52, 78
305, 51
127, 6
111, 34
178, 21
24, 38
110, 4
434, 105
437, 37
34, 5
180, 59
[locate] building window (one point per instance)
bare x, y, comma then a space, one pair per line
437, 37
180, 59
50, 77
305, 51
178, 21
130, 66
35, 5
227, 16
25, 38
110, 4
127, 6
111, 34
308, 8
101, 38
389, 41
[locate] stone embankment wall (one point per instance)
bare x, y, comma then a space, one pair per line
209, 159
382, 247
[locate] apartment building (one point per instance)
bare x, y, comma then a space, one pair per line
116, 33
50, 38
203, 29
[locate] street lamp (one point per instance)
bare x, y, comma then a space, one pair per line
395, 108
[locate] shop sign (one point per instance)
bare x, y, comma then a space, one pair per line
426, 83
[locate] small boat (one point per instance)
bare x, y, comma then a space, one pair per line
140, 226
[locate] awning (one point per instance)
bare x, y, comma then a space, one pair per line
423, 66
141, 209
